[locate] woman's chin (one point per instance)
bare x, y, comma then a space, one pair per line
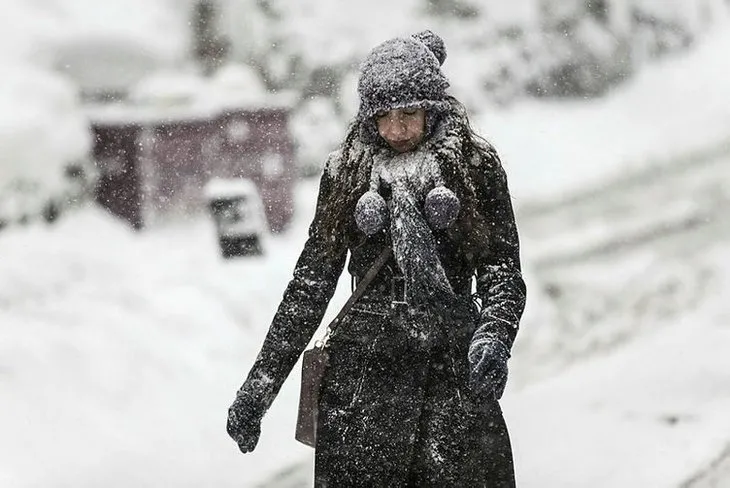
403, 146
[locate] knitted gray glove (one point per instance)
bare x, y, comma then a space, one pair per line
244, 423
488, 357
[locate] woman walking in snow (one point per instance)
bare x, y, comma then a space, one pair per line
417, 365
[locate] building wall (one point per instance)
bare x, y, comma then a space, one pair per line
156, 170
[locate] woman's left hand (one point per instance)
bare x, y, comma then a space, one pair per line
488, 366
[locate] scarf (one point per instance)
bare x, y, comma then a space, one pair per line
418, 203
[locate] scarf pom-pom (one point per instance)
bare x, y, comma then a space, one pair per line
371, 213
441, 207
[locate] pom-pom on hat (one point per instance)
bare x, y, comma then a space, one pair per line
403, 72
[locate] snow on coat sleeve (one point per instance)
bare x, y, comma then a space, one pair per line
499, 277
301, 309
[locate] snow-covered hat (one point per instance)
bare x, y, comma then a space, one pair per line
403, 72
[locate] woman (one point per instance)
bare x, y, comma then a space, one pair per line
417, 366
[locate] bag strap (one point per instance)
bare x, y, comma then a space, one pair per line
361, 287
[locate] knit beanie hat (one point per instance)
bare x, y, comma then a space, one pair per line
402, 72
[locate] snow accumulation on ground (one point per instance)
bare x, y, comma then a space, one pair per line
652, 413
120, 353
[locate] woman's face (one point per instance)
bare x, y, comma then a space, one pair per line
402, 128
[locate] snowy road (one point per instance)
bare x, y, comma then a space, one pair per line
667, 206
624, 263
626, 258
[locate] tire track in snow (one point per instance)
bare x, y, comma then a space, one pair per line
623, 259
717, 474
671, 203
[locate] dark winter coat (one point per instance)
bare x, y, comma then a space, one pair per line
395, 411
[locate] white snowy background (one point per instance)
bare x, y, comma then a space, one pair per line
120, 351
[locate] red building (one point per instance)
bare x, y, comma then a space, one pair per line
154, 163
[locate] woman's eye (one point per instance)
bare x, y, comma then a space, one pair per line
410, 111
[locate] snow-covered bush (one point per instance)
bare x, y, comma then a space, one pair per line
580, 58
44, 143
583, 48
498, 51
44, 137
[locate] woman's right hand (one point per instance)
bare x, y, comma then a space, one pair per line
244, 423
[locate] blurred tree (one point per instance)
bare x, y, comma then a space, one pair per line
210, 47
598, 9
452, 8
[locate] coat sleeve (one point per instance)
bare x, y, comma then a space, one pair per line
301, 309
500, 286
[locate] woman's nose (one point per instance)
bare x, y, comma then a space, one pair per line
395, 128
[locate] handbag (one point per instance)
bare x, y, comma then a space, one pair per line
316, 359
